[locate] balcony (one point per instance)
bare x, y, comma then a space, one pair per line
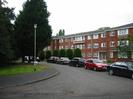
78, 42
123, 36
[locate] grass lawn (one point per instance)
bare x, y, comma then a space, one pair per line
21, 69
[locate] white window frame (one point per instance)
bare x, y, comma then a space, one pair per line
103, 35
122, 54
89, 54
95, 36
111, 55
96, 45
103, 45
95, 54
123, 43
89, 37
83, 54
112, 33
122, 32
89, 46
112, 43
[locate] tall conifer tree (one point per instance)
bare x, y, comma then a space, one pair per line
6, 28
34, 12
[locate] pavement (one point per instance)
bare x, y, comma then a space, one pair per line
29, 78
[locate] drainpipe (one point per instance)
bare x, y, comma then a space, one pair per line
91, 45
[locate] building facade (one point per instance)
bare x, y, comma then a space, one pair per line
100, 44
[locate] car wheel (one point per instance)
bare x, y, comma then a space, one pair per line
95, 69
111, 72
77, 65
132, 76
86, 67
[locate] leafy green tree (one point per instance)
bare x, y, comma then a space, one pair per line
34, 12
48, 54
6, 33
69, 53
124, 49
62, 53
61, 32
77, 52
41, 55
56, 53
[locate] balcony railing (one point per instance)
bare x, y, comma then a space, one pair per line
78, 42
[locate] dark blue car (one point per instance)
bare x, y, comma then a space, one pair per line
77, 62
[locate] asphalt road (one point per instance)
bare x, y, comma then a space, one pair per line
74, 83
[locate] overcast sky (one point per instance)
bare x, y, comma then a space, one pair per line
77, 16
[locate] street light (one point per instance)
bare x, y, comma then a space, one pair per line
35, 26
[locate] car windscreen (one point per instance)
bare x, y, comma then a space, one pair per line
130, 64
97, 61
81, 60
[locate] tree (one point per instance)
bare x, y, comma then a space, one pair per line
34, 12
48, 54
61, 32
41, 55
6, 32
125, 47
77, 52
56, 53
69, 53
62, 53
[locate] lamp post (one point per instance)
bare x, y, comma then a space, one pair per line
35, 26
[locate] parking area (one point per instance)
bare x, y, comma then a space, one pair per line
76, 83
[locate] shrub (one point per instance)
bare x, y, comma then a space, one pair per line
56, 53
48, 54
62, 53
69, 53
77, 52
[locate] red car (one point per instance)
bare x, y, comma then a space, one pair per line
95, 64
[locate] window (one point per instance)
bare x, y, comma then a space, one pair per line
83, 45
79, 38
88, 37
80, 46
112, 44
83, 38
123, 32
66, 47
112, 33
89, 54
71, 46
103, 44
96, 45
66, 40
111, 54
61, 40
83, 54
89, 46
60, 47
123, 43
117, 64
95, 54
130, 64
103, 35
95, 36
122, 55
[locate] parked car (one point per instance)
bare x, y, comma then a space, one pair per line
52, 59
77, 62
95, 64
63, 60
121, 68
30, 59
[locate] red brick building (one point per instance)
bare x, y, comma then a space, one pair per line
100, 44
